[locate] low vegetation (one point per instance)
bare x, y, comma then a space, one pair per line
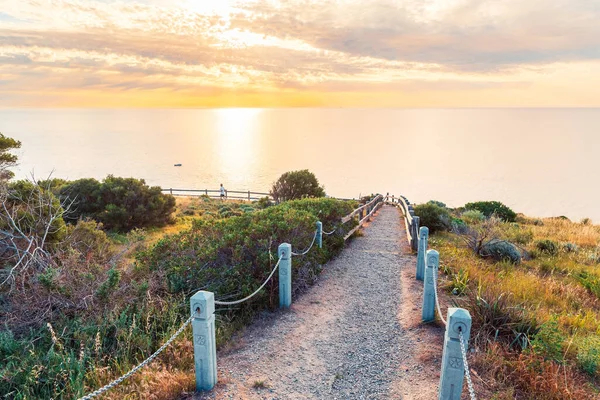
532, 287
295, 185
100, 302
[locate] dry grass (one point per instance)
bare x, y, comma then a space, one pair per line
563, 288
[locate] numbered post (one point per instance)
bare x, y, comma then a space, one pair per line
453, 368
205, 350
415, 232
432, 261
423, 238
320, 234
285, 275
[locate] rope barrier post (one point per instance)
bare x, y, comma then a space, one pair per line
415, 232
205, 349
453, 368
432, 261
320, 234
423, 237
285, 275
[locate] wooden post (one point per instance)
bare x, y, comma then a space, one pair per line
453, 368
320, 234
423, 237
433, 259
206, 191
285, 275
205, 350
248, 195
171, 190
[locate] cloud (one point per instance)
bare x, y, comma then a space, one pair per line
260, 46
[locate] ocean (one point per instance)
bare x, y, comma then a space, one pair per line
541, 162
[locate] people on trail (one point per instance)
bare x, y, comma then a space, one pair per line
223, 192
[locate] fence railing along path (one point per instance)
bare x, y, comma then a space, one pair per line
202, 305
458, 320
216, 193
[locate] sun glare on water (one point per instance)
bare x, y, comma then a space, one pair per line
238, 140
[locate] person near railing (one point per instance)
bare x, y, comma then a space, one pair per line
223, 192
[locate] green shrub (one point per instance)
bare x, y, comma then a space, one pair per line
489, 208
549, 340
547, 246
588, 354
294, 185
437, 203
263, 202
570, 248
433, 217
501, 250
472, 216
120, 204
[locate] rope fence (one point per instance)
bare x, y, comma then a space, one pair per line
302, 253
232, 303
457, 324
139, 366
203, 303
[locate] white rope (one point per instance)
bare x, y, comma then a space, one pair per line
463, 349
309, 247
140, 366
437, 302
330, 233
231, 303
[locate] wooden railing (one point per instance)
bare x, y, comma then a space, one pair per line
229, 194
411, 221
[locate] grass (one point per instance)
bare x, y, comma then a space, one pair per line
100, 315
260, 384
536, 325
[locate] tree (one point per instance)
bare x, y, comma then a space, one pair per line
296, 185
7, 160
120, 204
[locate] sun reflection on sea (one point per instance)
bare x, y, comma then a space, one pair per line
238, 140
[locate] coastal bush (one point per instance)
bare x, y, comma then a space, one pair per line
501, 250
588, 354
437, 203
548, 341
570, 247
547, 246
105, 315
7, 160
433, 217
295, 185
120, 204
472, 216
489, 208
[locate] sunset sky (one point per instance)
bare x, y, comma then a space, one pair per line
264, 53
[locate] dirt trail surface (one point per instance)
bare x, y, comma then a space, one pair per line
351, 336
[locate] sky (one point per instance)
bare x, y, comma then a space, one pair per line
326, 53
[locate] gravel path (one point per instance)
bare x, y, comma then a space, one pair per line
343, 339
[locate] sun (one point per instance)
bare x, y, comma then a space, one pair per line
210, 7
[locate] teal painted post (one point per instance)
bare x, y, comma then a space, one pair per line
205, 349
320, 234
432, 261
423, 237
453, 369
415, 234
285, 275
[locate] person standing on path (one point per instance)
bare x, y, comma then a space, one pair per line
223, 192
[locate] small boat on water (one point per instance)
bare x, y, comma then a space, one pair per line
177, 165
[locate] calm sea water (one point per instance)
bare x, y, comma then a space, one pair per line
542, 162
